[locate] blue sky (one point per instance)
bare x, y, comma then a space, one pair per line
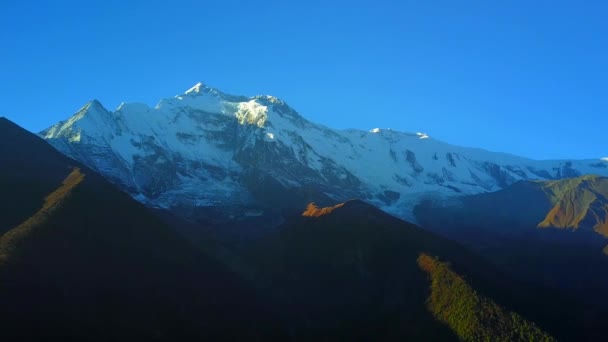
525, 77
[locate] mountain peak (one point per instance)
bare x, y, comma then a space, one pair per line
94, 105
196, 88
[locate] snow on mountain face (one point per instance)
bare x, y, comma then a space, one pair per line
205, 148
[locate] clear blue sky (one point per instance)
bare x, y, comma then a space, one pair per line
525, 77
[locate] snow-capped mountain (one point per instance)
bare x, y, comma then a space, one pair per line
207, 149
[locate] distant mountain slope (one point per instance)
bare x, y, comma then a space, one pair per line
206, 149
80, 260
553, 232
353, 272
578, 203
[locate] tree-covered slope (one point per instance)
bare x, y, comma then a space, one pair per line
471, 316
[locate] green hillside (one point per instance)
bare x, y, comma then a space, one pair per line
471, 316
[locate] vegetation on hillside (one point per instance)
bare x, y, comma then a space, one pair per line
503, 227
471, 316
353, 274
93, 264
10, 240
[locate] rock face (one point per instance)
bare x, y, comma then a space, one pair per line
207, 149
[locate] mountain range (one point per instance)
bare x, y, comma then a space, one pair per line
205, 150
82, 260
222, 217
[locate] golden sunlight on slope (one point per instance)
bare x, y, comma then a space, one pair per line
13, 237
578, 201
570, 210
313, 211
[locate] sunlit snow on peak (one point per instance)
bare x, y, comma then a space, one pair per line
604, 159
196, 89
375, 130
252, 113
422, 135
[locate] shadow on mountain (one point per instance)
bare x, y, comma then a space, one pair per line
354, 272
552, 232
80, 260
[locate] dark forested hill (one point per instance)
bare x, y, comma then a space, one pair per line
354, 272
80, 260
